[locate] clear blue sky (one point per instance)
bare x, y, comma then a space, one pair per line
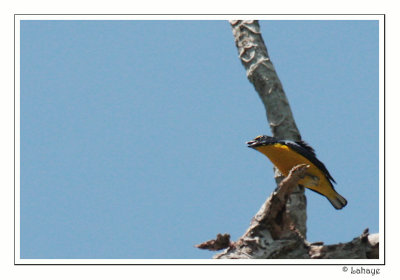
133, 133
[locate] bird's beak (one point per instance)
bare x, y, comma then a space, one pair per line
252, 143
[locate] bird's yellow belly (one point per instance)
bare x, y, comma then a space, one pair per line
285, 159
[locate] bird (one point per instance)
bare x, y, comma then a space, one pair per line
286, 154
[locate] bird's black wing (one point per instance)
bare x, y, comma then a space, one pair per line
306, 151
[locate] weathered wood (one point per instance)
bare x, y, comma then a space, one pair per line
273, 235
261, 73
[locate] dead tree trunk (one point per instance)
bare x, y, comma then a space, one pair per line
261, 73
279, 229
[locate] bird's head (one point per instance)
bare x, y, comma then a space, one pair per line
261, 140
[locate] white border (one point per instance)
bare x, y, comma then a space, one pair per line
18, 18
198, 17
17, 140
382, 138
205, 261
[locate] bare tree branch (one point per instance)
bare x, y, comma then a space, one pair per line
272, 234
365, 246
271, 223
261, 73
221, 242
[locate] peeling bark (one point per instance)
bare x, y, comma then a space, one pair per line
273, 235
261, 73
221, 242
365, 246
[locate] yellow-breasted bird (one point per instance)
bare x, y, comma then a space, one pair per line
286, 154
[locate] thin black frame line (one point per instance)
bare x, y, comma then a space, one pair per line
199, 14
384, 138
384, 142
211, 264
14, 140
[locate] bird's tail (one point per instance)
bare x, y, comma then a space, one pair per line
337, 200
